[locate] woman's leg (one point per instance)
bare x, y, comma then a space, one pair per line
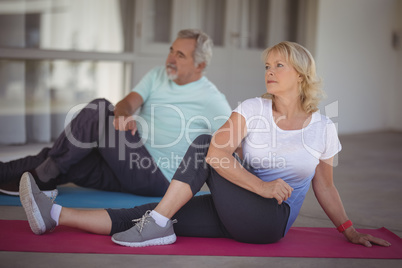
197, 218
190, 176
246, 216
44, 216
93, 221
155, 227
243, 215
177, 195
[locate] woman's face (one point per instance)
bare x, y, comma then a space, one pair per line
281, 78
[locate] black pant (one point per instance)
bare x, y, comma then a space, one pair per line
91, 153
229, 211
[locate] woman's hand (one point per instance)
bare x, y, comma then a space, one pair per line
365, 239
277, 189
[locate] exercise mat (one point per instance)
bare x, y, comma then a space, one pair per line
15, 235
79, 197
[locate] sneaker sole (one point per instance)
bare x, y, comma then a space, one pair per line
9, 192
52, 194
31, 208
153, 242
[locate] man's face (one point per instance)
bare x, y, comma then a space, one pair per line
180, 62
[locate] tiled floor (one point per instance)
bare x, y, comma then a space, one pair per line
368, 177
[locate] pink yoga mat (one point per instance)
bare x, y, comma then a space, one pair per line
299, 242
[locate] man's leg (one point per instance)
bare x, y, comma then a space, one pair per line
118, 160
11, 172
91, 172
132, 164
85, 133
91, 153
15, 168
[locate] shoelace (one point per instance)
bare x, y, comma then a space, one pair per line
53, 196
140, 223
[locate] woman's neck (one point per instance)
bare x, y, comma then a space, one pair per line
288, 114
287, 107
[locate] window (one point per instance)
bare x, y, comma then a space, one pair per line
55, 54
81, 25
158, 21
263, 23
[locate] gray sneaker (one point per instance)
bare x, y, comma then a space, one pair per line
146, 233
36, 204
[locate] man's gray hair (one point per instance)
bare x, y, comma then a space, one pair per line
203, 47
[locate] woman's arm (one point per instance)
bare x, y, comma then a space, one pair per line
329, 199
220, 156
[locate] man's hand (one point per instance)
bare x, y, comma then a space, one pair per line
124, 110
125, 123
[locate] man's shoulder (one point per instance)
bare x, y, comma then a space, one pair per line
209, 87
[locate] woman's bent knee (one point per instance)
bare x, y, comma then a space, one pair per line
203, 139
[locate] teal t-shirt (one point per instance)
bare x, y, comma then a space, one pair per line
172, 116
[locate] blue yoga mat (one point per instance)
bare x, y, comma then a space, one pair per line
79, 197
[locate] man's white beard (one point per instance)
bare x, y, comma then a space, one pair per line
172, 76
170, 68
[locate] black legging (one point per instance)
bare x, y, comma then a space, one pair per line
229, 211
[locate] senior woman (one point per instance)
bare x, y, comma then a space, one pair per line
255, 196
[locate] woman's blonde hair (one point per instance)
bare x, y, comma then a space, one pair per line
303, 62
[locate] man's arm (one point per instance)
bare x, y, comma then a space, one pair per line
124, 110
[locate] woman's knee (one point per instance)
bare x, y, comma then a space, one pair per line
203, 139
200, 146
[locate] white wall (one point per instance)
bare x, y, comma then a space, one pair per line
357, 63
396, 113
239, 74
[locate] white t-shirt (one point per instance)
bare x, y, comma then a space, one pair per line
292, 155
